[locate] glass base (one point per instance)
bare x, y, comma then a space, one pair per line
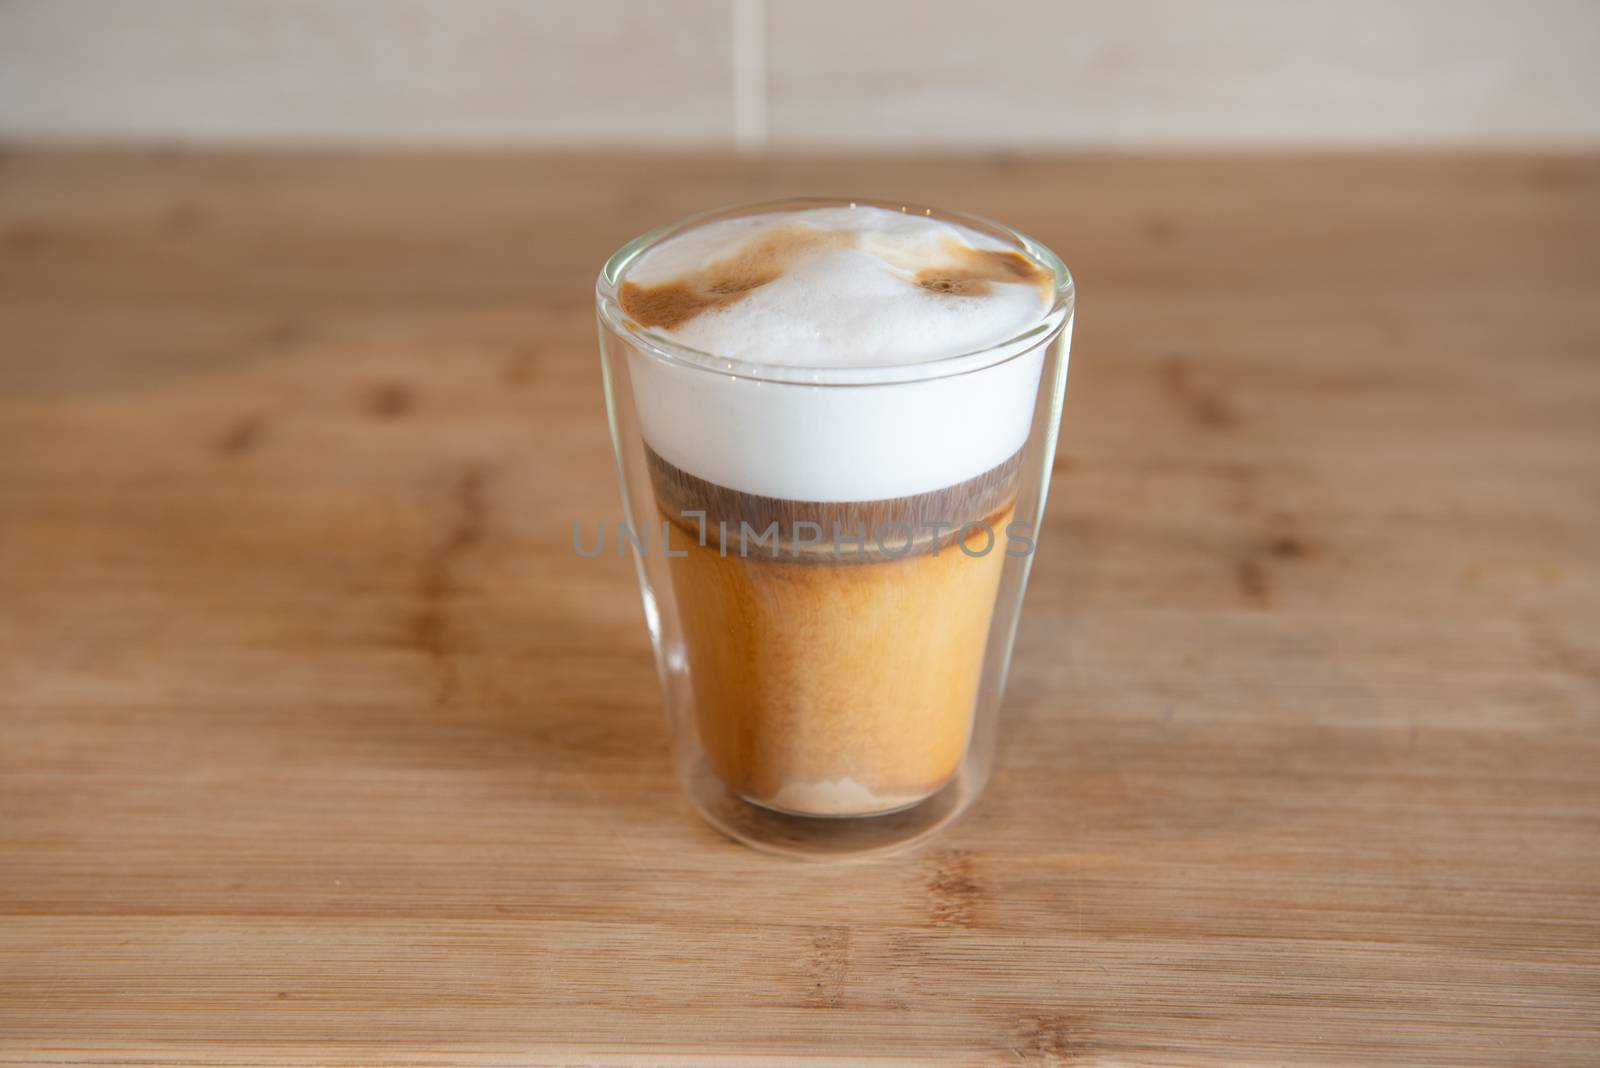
826, 837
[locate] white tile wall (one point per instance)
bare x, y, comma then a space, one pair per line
1181, 73
615, 72
866, 74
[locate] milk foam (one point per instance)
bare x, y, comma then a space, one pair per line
847, 311
859, 305
841, 797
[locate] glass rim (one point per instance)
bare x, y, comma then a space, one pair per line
1049, 324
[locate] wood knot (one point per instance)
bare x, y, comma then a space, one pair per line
954, 891
1052, 1039
242, 437
390, 400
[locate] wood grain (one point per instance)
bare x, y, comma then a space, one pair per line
319, 744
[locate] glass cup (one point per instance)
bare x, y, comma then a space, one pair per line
833, 668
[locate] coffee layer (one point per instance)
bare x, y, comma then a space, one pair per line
835, 690
831, 532
836, 678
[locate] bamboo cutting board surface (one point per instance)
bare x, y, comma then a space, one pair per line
319, 744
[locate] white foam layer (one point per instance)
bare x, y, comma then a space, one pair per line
858, 305
840, 311
840, 797
835, 443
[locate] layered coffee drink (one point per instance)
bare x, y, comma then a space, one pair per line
838, 493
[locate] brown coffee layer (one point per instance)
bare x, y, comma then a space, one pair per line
835, 691
833, 531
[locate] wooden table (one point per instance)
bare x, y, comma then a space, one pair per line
319, 744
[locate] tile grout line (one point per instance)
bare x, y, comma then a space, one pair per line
749, 75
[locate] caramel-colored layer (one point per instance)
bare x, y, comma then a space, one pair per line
836, 689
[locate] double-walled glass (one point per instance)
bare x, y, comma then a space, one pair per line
833, 636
